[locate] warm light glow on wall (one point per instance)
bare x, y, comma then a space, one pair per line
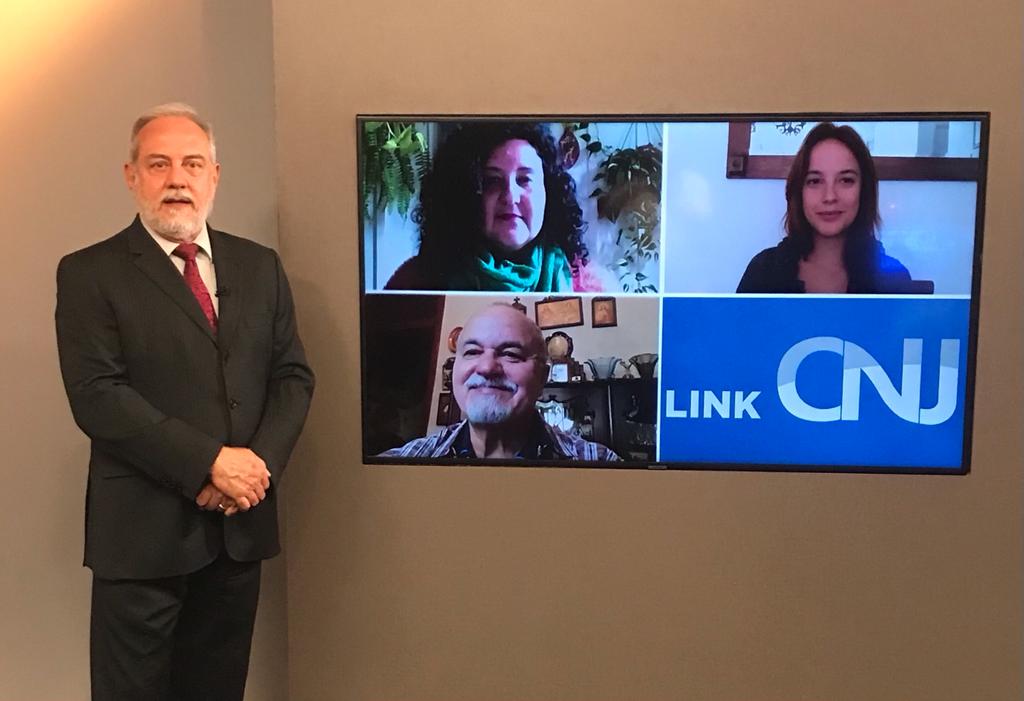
36, 35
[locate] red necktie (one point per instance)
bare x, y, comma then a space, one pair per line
187, 252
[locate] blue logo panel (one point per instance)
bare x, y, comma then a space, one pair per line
866, 381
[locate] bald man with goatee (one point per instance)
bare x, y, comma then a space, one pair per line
500, 369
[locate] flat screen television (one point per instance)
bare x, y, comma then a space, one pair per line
732, 292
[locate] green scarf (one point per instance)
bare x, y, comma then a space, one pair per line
544, 269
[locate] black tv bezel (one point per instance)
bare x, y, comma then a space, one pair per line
984, 119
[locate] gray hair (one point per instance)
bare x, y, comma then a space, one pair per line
170, 109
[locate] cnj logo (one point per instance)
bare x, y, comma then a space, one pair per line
857, 362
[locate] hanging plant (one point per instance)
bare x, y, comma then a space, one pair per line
395, 156
628, 194
569, 144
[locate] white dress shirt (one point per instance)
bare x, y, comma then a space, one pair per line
204, 260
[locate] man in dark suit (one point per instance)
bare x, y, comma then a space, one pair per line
182, 364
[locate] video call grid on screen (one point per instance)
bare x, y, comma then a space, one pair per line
690, 347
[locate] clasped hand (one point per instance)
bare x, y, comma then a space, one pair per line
239, 480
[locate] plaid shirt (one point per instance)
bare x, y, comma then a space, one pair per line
549, 443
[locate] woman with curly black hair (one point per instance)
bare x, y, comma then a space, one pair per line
497, 212
831, 219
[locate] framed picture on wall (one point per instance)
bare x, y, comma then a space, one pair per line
448, 411
602, 312
558, 313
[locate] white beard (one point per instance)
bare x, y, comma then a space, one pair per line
174, 226
177, 227
487, 410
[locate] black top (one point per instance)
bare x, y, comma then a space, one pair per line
775, 271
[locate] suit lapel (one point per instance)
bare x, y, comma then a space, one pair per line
229, 282
152, 261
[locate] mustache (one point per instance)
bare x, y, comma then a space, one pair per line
476, 380
177, 196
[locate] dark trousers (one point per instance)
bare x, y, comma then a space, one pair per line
183, 638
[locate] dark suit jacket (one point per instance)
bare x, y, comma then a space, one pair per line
159, 394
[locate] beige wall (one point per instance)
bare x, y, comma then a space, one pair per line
450, 584
74, 75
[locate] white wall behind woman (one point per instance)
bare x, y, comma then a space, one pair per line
714, 225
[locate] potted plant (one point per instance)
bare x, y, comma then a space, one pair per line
394, 157
628, 194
